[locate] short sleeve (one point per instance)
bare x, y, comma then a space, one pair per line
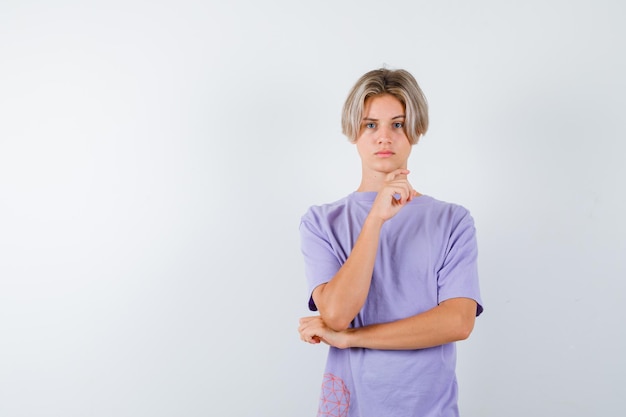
458, 275
320, 261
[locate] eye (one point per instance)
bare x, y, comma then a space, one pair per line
398, 125
370, 125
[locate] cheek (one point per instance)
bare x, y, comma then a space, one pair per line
359, 146
406, 146
402, 140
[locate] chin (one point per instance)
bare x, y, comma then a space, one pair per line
387, 168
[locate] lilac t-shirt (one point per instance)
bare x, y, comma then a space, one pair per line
426, 254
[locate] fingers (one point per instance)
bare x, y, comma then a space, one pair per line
311, 329
306, 330
398, 172
401, 191
400, 186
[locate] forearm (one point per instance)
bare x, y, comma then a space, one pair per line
450, 321
340, 300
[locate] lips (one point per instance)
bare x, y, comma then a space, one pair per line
384, 154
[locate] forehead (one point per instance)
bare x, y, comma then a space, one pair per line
382, 106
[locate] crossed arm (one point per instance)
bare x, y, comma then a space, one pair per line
450, 321
340, 300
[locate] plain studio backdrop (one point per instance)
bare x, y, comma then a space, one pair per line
156, 157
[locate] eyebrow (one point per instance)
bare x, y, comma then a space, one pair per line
393, 118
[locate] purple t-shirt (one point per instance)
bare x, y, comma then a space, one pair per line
426, 254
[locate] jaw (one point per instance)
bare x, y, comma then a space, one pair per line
373, 176
383, 166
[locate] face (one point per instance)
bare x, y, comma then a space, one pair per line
382, 143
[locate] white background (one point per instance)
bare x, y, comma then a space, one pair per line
156, 157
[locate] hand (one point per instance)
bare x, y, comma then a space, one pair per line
387, 204
313, 330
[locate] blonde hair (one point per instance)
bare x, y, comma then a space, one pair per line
398, 83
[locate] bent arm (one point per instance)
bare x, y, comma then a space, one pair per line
340, 300
452, 320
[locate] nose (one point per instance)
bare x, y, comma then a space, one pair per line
384, 135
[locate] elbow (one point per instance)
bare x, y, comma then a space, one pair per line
335, 321
463, 333
461, 316
335, 318
464, 328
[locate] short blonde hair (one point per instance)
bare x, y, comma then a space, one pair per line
398, 83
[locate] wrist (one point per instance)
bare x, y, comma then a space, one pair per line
373, 221
350, 338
